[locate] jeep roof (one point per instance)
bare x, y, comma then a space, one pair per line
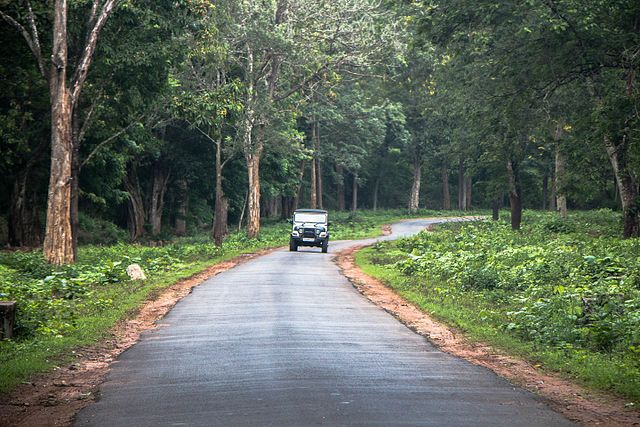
311, 211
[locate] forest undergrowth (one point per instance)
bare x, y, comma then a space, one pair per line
565, 294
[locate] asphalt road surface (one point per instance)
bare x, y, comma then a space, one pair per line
285, 340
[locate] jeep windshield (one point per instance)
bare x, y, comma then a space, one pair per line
316, 218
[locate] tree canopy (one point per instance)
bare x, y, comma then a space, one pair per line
174, 118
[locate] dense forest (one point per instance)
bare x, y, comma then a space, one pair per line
184, 117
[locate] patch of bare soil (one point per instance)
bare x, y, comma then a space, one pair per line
53, 399
573, 401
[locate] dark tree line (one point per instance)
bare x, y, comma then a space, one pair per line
168, 118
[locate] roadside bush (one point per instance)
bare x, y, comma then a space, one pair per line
558, 282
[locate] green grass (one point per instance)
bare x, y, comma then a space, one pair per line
63, 308
524, 292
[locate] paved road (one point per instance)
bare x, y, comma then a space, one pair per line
285, 340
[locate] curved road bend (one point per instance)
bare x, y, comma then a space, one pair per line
285, 340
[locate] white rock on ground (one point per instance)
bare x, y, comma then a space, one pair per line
134, 271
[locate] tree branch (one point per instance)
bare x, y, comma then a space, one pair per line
80, 75
33, 43
107, 141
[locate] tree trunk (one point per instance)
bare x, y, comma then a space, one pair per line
468, 187
320, 191
313, 197
181, 211
24, 225
58, 240
75, 180
24, 221
160, 181
376, 189
515, 194
296, 197
354, 194
627, 186
220, 227
414, 198
446, 193
287, 207
253, 203
560, 175
495, 208
221, 208
136, 214
545, 191
340, 184
462, 204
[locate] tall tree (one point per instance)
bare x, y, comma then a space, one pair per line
64, 94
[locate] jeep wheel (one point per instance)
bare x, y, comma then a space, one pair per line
293, 245
325, 246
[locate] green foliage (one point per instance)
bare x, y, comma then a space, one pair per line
569, 286
52, 299
96, 231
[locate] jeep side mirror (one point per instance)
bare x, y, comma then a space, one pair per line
329, 223
290, 220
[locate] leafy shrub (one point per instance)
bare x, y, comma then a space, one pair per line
558, 283
96, 231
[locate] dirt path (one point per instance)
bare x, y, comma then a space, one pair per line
53, 399
576, 403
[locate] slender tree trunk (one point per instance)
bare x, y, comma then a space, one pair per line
468, 187
627, 186
495, 208
340, 184
552, 194
221, 209
515, 194
560, 175
136, 214
376, 189
181, 211
414, 198
320, 193
313, 197
24, 225
462, 204
286, 211
244, 210
545, 191
354, 193
75, 180
160, 181
446, 193
58, 240
296, 197
24, 222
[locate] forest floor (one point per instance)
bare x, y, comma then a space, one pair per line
54, 398
584, 406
